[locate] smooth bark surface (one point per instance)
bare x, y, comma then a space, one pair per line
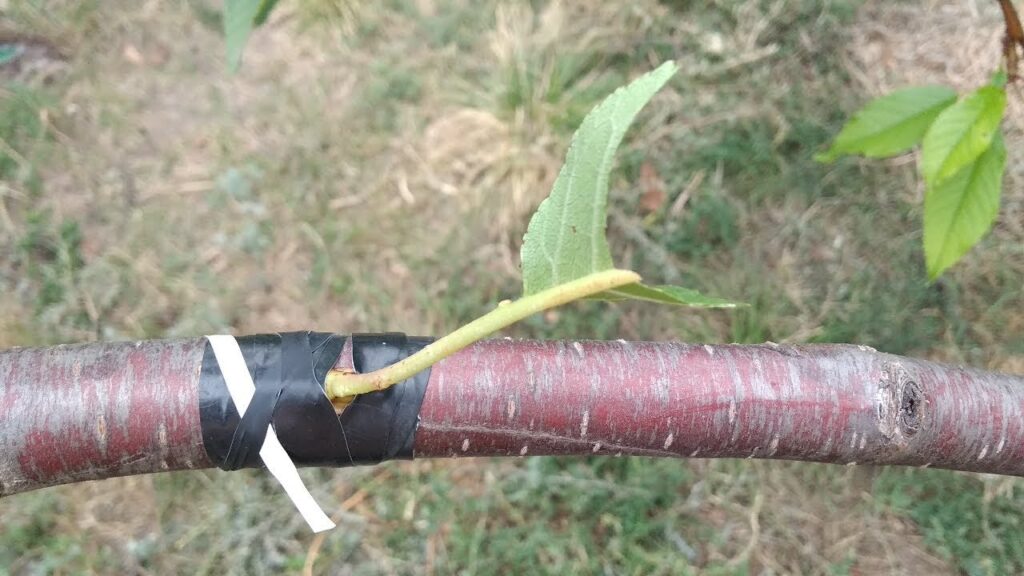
91, 411
826, 403
74, 413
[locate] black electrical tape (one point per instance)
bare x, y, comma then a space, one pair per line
289, 370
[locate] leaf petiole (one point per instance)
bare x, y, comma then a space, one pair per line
341, 384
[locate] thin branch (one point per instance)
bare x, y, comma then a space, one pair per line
1013, 38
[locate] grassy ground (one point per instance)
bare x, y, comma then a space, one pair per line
372, 167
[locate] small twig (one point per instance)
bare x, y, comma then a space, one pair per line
351, 502
318, 541
755, 532
1012, 40
676, 210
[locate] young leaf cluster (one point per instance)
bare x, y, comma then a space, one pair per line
962, 158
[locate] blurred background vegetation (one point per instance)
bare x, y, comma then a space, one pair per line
372, 167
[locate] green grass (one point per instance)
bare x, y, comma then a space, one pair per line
322, 187
23, 132
36, 543
975, 522
590, 516
51, 257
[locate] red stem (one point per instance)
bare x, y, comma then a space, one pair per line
828, 403
86, 412
74, 413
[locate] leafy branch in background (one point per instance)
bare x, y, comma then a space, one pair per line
962, 152
565, 254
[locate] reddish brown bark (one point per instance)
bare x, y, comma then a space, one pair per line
73, 413
834, 403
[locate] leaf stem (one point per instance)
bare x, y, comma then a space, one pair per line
340, 384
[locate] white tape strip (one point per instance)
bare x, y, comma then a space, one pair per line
241, 388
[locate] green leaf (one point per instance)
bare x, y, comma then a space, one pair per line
565, 239
240, 18
266, 7
961, 133
891, 124
666, 295
960, 211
